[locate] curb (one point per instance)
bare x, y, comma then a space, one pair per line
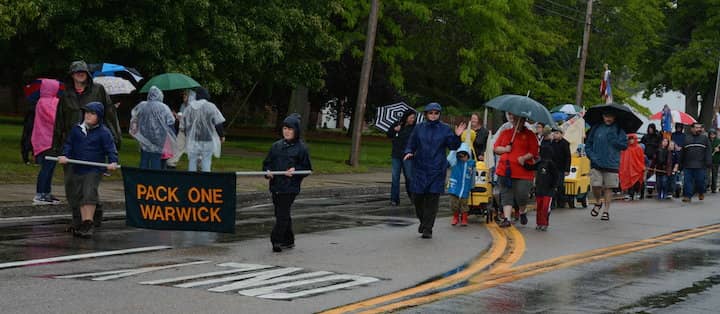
23, 209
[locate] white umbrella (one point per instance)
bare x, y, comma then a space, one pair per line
115, 85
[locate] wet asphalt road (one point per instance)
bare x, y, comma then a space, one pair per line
679, 278
683, 277
46, 237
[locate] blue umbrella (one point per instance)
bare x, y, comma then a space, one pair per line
559, 116
111, 69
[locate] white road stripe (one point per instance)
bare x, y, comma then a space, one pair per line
239, 268
82, 256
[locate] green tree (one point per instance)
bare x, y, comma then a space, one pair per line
228, 46
686, 58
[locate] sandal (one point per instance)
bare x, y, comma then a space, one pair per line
605, 216
594, 211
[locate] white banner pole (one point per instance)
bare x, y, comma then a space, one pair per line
262, 173
81, 162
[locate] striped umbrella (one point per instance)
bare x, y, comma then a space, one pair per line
387, 116
677, 117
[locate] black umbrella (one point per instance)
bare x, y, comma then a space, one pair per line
624, 117
522, 106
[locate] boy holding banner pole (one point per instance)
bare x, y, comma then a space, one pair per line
88, 141
287, 154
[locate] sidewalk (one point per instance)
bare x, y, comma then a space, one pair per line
16, 199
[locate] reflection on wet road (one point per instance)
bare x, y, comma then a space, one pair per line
678, 278
35, 239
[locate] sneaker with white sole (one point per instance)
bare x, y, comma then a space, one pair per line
45, 199
40, 200
54, 200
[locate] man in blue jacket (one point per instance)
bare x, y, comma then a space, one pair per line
602, 146
427, 146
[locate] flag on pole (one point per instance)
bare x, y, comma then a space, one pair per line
605, 88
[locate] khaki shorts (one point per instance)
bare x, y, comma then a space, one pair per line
458, 204
516, 195
606, 179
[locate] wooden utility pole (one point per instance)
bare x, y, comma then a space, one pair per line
583, 54
358, 119
716, 100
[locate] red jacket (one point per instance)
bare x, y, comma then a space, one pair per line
524, 142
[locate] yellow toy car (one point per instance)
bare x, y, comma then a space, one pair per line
481, 195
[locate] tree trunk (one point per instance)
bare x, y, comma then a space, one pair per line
299, 103
691, 105
706, 109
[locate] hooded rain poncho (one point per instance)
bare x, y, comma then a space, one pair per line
632, 164
45, 110
151, 123
198, 122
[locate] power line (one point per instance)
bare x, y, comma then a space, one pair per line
537, 6
565, 6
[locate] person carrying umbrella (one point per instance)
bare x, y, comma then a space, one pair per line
604, 142
400, 133
515, 146
80, 91
426, 146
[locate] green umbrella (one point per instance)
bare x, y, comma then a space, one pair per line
170, 81
522, 106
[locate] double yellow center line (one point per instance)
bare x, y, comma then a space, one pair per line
495, 267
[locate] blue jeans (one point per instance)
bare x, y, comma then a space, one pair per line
406, 167
149, 160
205, 163
662, 185
694, 181
44, 178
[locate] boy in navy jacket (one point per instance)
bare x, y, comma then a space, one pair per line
287, 154
87, 141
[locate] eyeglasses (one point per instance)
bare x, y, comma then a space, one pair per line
433, 112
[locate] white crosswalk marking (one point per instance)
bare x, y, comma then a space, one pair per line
264, 274
116, 274
239, 268
82, 256
269, 292
261, 281
256, 280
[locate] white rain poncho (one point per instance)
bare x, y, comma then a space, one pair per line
198, 122
151, 124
